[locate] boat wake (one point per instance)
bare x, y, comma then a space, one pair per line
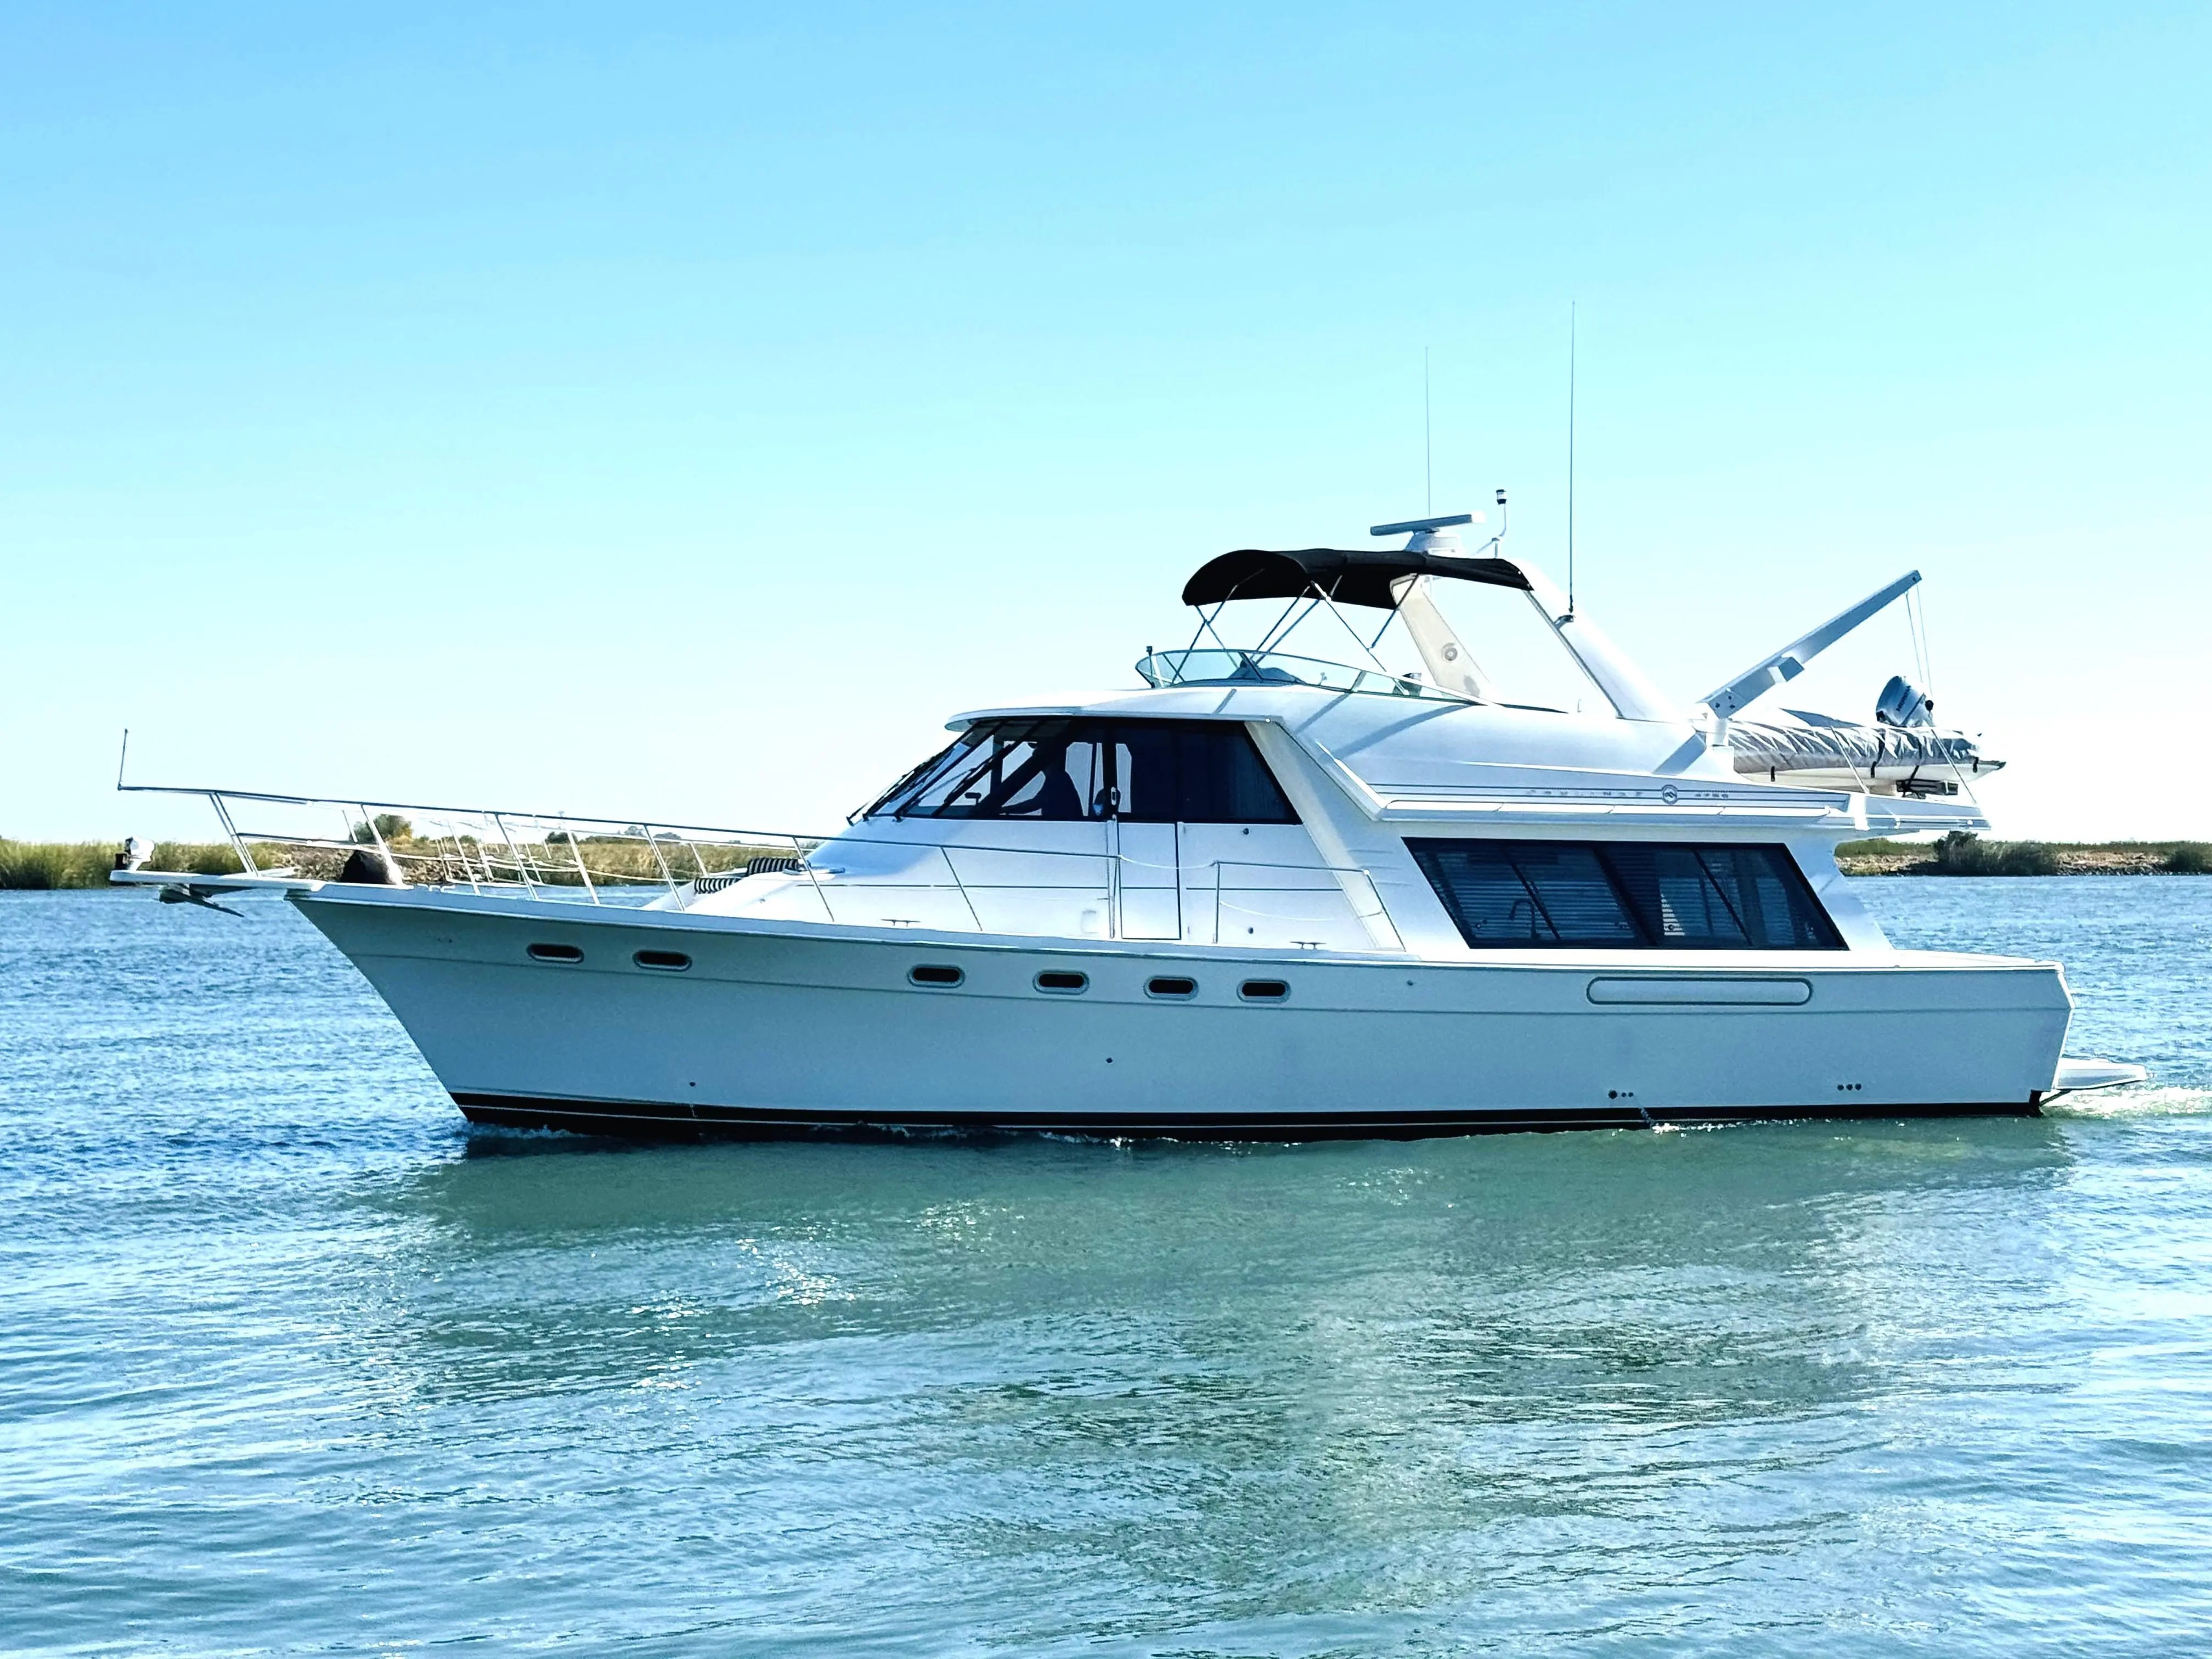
2148, 1102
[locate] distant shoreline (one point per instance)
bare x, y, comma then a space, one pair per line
1969, 856
51, 866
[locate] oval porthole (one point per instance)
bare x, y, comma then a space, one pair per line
1063, 983
931, 974
1263, 990
666, 962
1172, 987
555, 953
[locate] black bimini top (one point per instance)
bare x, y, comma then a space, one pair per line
1349, 575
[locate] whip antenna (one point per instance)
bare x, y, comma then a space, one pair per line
1571, 458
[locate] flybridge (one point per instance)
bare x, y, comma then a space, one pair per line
1900, 752
1400, 581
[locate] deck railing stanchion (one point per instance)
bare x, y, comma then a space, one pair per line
376, 834
230, 828
521, 872
653, 847
813, 876
461, 854
576, 852
1376, 921
958, 885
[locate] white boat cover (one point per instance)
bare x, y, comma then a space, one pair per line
1822, 744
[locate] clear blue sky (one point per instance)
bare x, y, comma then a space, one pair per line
550, 407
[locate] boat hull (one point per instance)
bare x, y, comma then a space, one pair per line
782, 1028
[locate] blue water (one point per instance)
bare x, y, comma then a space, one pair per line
291, 1361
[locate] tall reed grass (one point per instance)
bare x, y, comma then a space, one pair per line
1959, 854
38, 867
1964, 854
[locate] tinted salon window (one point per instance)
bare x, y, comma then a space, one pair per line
1630, 895
1188, 772
1153, 771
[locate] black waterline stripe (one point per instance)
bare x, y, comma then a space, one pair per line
662, 1120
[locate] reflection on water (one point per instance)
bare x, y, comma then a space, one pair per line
1452, 1263
294, 1361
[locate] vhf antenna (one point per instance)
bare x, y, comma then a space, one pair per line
1571, 458
1428, 442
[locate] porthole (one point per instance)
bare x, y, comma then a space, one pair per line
1063, 983
667, 962
555, 953
1172, 987
1263, 990
932, 974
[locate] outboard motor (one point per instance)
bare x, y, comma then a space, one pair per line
1903, 703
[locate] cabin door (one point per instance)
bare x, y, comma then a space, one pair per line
1149, 890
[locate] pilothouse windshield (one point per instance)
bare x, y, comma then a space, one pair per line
1059, 771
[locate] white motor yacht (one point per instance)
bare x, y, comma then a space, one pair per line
1261, 894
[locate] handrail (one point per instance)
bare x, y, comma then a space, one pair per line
1375, 918
479, 848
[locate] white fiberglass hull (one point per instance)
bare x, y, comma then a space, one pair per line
777, 1027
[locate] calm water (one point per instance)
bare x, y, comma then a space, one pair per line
291, 1361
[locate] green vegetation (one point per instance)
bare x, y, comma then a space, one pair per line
39, 866
56, 864
1962, 854
388, 825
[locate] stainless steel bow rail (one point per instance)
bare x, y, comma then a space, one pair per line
300, 843
299, 840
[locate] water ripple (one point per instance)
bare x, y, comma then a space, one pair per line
292, 1362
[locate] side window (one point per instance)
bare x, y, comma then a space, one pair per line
961, 771
1052, 776
1193, 772
1526, 893
1772, 901
1648, 894
1677, 898
1050, 770
1253, 794
928, 779
1149, 762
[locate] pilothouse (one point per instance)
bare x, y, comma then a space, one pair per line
1370, 886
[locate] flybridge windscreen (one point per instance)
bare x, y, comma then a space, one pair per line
1485, 641
1514, 649
1059, 771
1625, 895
